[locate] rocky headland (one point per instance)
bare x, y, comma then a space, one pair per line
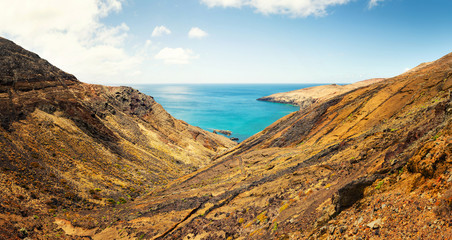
307, 96
82, 161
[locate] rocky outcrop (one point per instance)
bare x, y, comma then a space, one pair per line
352, 192
224, 132
307, 96
25, 71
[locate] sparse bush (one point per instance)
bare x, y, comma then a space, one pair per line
262, 217
436, 136
379, 185
23, 233
284, 207
111, 201
122, 200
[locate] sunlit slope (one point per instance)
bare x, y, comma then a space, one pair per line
67, 145
312, 172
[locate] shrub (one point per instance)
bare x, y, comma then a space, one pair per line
379, 185
122, 200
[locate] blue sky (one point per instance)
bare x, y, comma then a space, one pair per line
232, 41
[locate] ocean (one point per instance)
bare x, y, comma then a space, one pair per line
230, 107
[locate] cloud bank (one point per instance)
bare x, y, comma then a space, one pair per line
294, 8
70, 35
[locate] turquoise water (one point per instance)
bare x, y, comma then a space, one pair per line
221, 106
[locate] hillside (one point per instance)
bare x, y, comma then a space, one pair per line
70, 146
372, 163
84, 161
307, 96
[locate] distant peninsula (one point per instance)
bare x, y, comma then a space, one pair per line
307, 96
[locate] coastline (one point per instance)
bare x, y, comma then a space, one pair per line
305, 97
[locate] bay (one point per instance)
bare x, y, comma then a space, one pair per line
230, 107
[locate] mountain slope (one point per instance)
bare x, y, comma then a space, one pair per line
84, 161
373, 162
67, 145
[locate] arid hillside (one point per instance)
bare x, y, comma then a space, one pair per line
84, 161
70, 146
371, 163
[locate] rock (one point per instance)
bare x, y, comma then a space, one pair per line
269, 167
332, 229
377, 232
375, 224
428, 157
225, 132
351, 192
360, 220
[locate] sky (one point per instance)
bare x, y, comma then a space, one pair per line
126, 42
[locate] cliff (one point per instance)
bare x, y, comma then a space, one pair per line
70, 146
307, 96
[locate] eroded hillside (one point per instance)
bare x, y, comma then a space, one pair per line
68, 146
84, 161
372, 163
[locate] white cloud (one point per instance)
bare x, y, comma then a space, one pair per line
176, 55
70, 35
374, 3
224, 3
294, 8
196, 32
147, 43
160, 31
